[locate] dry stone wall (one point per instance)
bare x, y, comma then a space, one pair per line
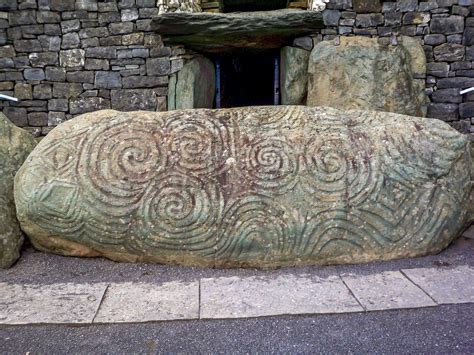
64, 58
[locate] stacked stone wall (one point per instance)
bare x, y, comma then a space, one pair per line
62, 58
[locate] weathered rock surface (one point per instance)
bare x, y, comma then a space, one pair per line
15, 145
193, 86
260, 186
215, 31
360, 73
294, 75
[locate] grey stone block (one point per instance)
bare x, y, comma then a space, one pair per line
55, 74
42, 91
134, 99
101, 52
447, 25
70, 26
72, 58
132, 82
34, 74
88, 104
108, 80
43, 59
58, 105
37, 119
66, 90
158, 66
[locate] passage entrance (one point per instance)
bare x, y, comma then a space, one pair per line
247, 79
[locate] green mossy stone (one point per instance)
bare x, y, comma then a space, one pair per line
15, 145
246, 187
360, 73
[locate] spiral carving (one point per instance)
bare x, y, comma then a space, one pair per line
200, 145
340, 169
180, 211
117, 164
271, 165
259, 229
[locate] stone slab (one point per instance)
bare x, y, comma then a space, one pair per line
135, 302
57, 303
387, 290
214, 32
233, 297
445, 285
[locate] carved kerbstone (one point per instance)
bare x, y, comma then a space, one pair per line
260, 186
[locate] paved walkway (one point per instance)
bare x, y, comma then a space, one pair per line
234, 297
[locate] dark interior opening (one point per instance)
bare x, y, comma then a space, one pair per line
247, 79
253, 5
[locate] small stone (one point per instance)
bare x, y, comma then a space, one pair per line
23, 91
158, 66
38, 119
66, 90
58, 105
70, 26
34, 74
88, 104
43, 59
55, 118
42, 91
121, 28
55, 74
70, 40
72, 58
447, 25
449, 52
96, 64
129, 15
108, 80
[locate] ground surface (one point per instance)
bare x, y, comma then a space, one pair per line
441, 329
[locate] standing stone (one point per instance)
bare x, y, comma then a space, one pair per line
254, 186
194, 86
360, 73
294, 75
15, 145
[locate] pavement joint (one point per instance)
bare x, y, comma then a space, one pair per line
234, 297
414, 283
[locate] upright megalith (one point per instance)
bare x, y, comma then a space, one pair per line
369, 74
15, 145
255, 186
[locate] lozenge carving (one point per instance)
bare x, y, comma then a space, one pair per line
260, 186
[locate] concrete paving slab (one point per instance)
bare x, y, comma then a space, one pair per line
135, 302
386, 290
445, 286
234, 297
58, 303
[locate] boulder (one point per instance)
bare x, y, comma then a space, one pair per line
294, 75
246, 187
15, 145
362, 73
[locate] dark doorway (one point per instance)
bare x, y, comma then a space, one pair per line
247, 79
253, 5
